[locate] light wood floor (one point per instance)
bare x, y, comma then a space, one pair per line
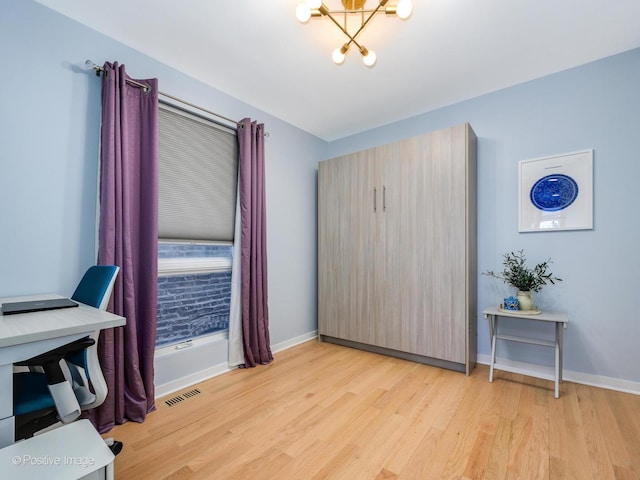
325, 411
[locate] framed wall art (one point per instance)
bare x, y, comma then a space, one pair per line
556, 193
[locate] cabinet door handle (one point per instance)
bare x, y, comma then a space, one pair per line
374, 199
384, 198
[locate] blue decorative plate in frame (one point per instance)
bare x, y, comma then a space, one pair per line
554, 192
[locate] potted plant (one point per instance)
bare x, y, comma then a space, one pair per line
525, 279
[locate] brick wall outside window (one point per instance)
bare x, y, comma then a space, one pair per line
191, 305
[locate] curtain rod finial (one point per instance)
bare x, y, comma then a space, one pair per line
89, 65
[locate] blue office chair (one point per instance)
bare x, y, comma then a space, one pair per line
59, 383
84, 367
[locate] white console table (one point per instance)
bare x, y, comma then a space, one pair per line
560, 320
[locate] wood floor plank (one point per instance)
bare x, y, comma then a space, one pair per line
304, 464
578, 464
323, 411
498, 460
617, 427
374, 444
428, 404
426, 452
601, 465
628, 421
462, 431
559, 446
478, 456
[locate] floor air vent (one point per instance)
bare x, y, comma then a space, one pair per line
179, 398
191, 393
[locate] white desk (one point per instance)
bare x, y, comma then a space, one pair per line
559, 319
71, 452
26, 335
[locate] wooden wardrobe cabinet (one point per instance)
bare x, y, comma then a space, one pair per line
397, 249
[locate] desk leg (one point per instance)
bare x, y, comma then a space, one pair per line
558, 360
7, 421
7, 432
493, 329
109, 471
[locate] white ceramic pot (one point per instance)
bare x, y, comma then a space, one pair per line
525, 299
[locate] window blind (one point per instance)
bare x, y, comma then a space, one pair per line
198, 176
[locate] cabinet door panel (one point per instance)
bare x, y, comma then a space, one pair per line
389, 325
346, 247
441, 270
424, 238
331, 283
408, 269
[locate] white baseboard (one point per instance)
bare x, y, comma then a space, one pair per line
569, 375
197, 377
215, 370
294, 341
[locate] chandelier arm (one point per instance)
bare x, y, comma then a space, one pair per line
344, 30
364, 24
368, 10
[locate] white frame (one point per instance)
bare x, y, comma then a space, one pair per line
578, 215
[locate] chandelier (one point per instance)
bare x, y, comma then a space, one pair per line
317, 9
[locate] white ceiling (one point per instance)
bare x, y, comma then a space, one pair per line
446, 52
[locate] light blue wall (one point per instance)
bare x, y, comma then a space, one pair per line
595, 106
49, 129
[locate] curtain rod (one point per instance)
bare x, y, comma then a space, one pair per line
92, 66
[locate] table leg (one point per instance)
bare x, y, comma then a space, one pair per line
558, 356
561, 336
493, 328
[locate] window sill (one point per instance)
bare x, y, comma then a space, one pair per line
163, 350
186, 266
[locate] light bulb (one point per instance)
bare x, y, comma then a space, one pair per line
370, 58
303, 12
314, 4
338, 56
404, 9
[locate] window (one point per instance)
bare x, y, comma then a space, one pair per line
194, 291
196, 220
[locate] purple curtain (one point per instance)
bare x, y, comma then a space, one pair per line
253, 244
128, 237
